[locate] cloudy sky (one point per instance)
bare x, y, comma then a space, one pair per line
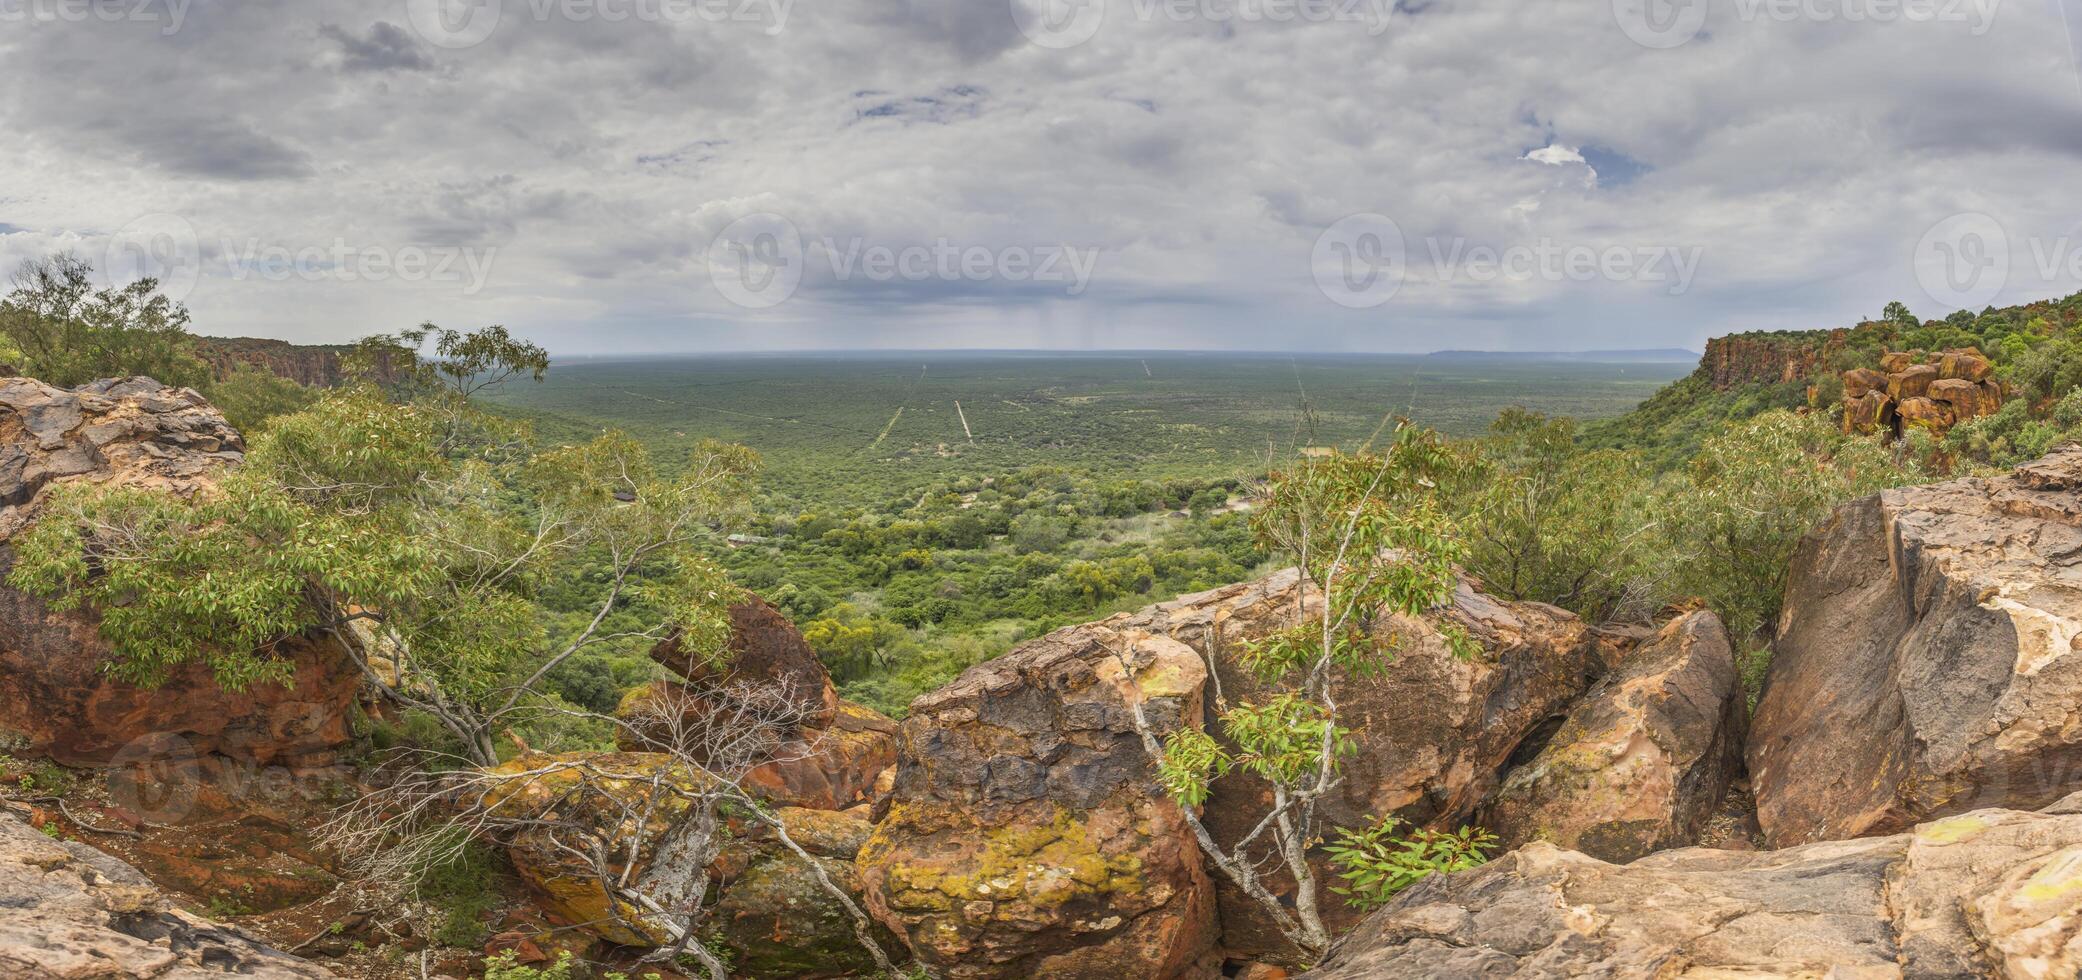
686, 175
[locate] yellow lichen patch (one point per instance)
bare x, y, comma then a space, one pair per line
1952, 830
1045, 865
2059, 880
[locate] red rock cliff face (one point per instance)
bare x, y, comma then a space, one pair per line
317, 366
1771, 358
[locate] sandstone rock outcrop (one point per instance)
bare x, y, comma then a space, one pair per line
776, 918
1935, 391
1926, 662
1025, 837
1990, 894
54, 698
1767, 357
1434, 732
69, 912
1643, 760
828, 760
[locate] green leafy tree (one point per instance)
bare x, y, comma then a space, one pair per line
1371, 542
363, 520
1736, 514
1554, 523
1375, 862
251, 395
66, 332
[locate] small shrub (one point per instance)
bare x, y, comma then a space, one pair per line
1376, 862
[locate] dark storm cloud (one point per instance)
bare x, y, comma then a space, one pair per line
385, 47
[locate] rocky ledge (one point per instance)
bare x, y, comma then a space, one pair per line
1926, 661
69, 912
1994, 893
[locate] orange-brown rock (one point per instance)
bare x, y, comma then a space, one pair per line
1923, 412
55, 699
1027, 837
1926, 663
763, 649
1858, 381
1911, 382
1434, 733
1643, 760
829, 760
1894, 362
1967, 364
1963, 396
1867, 412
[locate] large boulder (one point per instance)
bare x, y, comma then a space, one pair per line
55, 700
1926, 660
1027, 837
1991, 894
1644, 760
827, 758
69, 912
775, 916
1434, 732
767, 909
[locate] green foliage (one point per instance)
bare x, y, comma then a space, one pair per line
59, 329
501, 966
1376, 862
1549, 522
462, 888
250, 395
393, 527
1742, 505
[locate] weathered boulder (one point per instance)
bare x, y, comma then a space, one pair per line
69, 912
1434, 732
767, 909
1966, 363
54, 698
1866, 412
1643, 760
764, 649
1026, 836
1911, 382
1860, 381
1991, 894
1924, 412
826, 758
1926, 660
777, 919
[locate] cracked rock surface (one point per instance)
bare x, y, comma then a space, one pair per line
1993, 893
69, 912
1926, 662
